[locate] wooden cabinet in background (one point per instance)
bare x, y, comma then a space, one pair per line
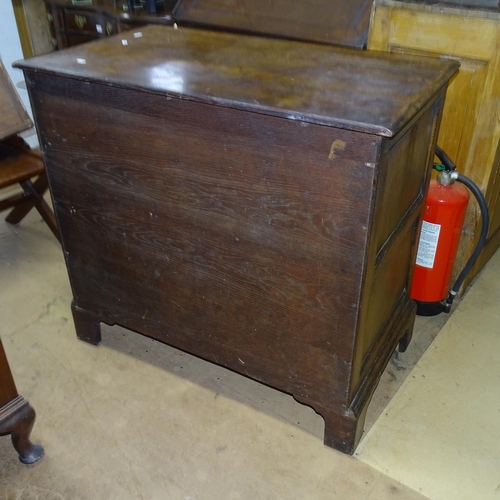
470, 128
75, 24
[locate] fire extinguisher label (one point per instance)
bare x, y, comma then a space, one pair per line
429, 237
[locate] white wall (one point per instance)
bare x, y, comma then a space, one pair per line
10, 49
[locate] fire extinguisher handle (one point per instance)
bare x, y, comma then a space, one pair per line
485, 222
447, 161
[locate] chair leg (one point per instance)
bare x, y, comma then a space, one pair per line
36, 193
18, 213
17, 419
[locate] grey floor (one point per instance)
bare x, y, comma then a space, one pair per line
134, 418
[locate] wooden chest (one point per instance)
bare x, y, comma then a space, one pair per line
252, 201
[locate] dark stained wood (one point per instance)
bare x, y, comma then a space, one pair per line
340, 23
118, 9
489, 5
16, 415
254, 202
75, 24
355, 90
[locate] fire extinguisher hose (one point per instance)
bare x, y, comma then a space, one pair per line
485, 222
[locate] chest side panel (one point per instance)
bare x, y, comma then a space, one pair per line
235, 236
405, 168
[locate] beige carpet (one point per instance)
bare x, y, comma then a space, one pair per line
440, 434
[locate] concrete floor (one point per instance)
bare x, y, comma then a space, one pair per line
134, 418
440, 434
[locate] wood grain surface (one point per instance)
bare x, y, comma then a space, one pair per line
350, 89
340, 23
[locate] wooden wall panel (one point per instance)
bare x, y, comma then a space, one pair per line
470, 129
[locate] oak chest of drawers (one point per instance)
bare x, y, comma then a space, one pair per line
252, 201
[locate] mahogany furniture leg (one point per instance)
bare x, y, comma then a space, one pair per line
17, 419
87, 325
16, 415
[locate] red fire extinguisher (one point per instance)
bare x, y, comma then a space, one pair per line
442, 224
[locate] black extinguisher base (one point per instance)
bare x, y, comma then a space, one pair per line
429, 308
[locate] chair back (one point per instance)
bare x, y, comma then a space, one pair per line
13, 115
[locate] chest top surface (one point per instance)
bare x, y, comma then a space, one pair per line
364, 91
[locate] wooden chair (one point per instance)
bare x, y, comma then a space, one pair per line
19, 164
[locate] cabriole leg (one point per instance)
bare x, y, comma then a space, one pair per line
17, 419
